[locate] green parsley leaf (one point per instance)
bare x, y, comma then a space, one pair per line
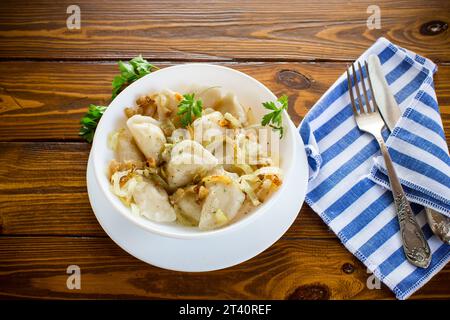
188, 108
275, 118
141, 66
118, 85
89, 122
130, 71
270, 105
126, 70
266, 119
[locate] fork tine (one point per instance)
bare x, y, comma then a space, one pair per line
361, 109
366, 99
374, 102
350, 90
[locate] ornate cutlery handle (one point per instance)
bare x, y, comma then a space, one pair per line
415, 245
440, 224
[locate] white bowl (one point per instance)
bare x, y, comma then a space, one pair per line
249, 91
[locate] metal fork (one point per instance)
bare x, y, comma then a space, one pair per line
369, 120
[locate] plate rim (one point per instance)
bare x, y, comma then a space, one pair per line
174, 266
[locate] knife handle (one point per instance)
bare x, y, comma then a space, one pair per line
415, 245
439, 224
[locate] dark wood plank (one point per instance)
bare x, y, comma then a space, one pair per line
212, 30
36, 268
43, 192
45, 100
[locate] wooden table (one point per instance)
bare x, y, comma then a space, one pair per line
49, 75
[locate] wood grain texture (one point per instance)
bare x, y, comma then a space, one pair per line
45, 100
43, 192
49, 75
36, 268
217, 30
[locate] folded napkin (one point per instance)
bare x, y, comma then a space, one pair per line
417, 145
347, 186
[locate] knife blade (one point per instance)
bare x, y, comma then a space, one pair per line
390, 111
387, 104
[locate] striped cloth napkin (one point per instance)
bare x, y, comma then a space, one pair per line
347, 186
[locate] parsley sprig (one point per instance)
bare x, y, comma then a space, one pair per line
90, 120
129, 72
189, 108
274, 118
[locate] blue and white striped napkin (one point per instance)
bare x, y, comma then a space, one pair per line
417, 144
347, 186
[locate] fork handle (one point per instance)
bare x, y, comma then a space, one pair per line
415, 245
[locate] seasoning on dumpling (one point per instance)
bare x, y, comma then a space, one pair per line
148, 136
187, 160
223, 201
145, 106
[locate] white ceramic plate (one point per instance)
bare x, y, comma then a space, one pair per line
249, 91
176, 247
194, 255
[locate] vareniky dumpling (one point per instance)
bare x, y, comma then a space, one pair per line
223, 201
167, 102
230, 103
148, 135
190, 207
207, 127
210, 96
248, 150
189, 202
213, 98
125, 147
180, 134
188, 158
153, 202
